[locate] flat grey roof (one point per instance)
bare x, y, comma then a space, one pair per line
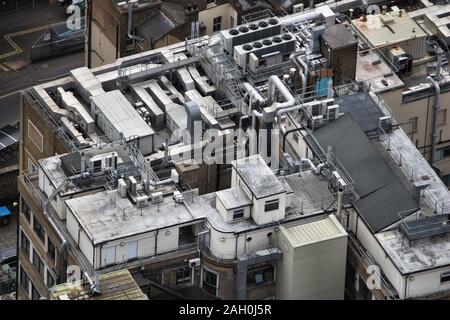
418, 256
382, 195
258, 177
108, 221
233, 198
338, 36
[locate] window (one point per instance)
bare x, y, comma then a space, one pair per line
217, 24
260, 275
26, 211
210, 282
442, 153
442, 117
35, 136
38, 229
50, 280
445, 277
37, 262
238, 214
51, 250
32, 168
414, 124
183, 275
24, 280
272, 205
34, 293
25, 243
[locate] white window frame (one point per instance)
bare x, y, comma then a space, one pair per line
40, 148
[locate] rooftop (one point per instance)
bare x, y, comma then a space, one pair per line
258, 177
370, 67
382, 196
312, 232
389, 28
338, 36
417, 256
118, 285
233, 198
117, 217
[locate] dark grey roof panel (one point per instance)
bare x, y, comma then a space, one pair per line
363, 108
382, 194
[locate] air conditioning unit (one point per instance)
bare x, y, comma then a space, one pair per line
122, 188
333, 112
335, 177
298, 8
386, 123
253, 62
142, 202
250, 32
317, 120
316, 108
157, 197
178, 197
132, 185
195, 263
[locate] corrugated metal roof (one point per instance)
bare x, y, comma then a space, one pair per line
314, 231
380, 34
121, 114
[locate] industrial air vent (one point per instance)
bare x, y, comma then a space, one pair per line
277, 39
257, 45
243, 29
263, 24
267, 42
234, 32
253, 26
287, 37
248, 47
273, 22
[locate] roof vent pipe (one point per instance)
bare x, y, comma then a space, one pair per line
340, 202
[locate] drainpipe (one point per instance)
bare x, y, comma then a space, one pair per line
435, 113
93, 287
130, 20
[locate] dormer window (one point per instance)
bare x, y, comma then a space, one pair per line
272, 205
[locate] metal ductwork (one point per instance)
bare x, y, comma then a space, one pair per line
193, 114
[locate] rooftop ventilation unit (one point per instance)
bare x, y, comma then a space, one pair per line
249, 32
132, 185
122, 188
157, 197
272, 46
142, 202
386, 123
